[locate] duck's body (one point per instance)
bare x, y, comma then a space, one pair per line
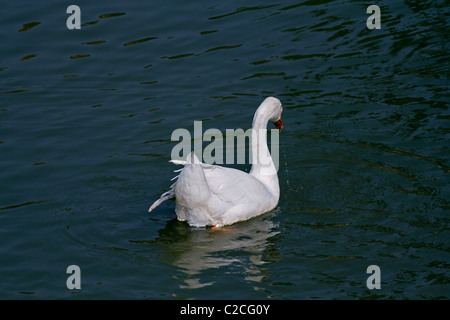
211, 195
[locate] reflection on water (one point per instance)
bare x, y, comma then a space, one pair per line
195, 250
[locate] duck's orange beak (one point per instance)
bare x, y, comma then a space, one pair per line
278, 124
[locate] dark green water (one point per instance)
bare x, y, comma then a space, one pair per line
86, 118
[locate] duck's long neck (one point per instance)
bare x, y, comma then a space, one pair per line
263, 167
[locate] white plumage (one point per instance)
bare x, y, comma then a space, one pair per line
212, 195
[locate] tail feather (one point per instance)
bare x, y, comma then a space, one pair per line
181, 162
171, 193
165, 196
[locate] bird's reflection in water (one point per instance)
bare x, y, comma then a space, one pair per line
194, 250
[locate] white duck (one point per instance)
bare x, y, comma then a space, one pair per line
211, 195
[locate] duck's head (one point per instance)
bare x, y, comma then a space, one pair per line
269, 110
272, 106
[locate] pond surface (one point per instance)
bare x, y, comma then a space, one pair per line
86, 118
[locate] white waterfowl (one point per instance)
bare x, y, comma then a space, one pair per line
212, 195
